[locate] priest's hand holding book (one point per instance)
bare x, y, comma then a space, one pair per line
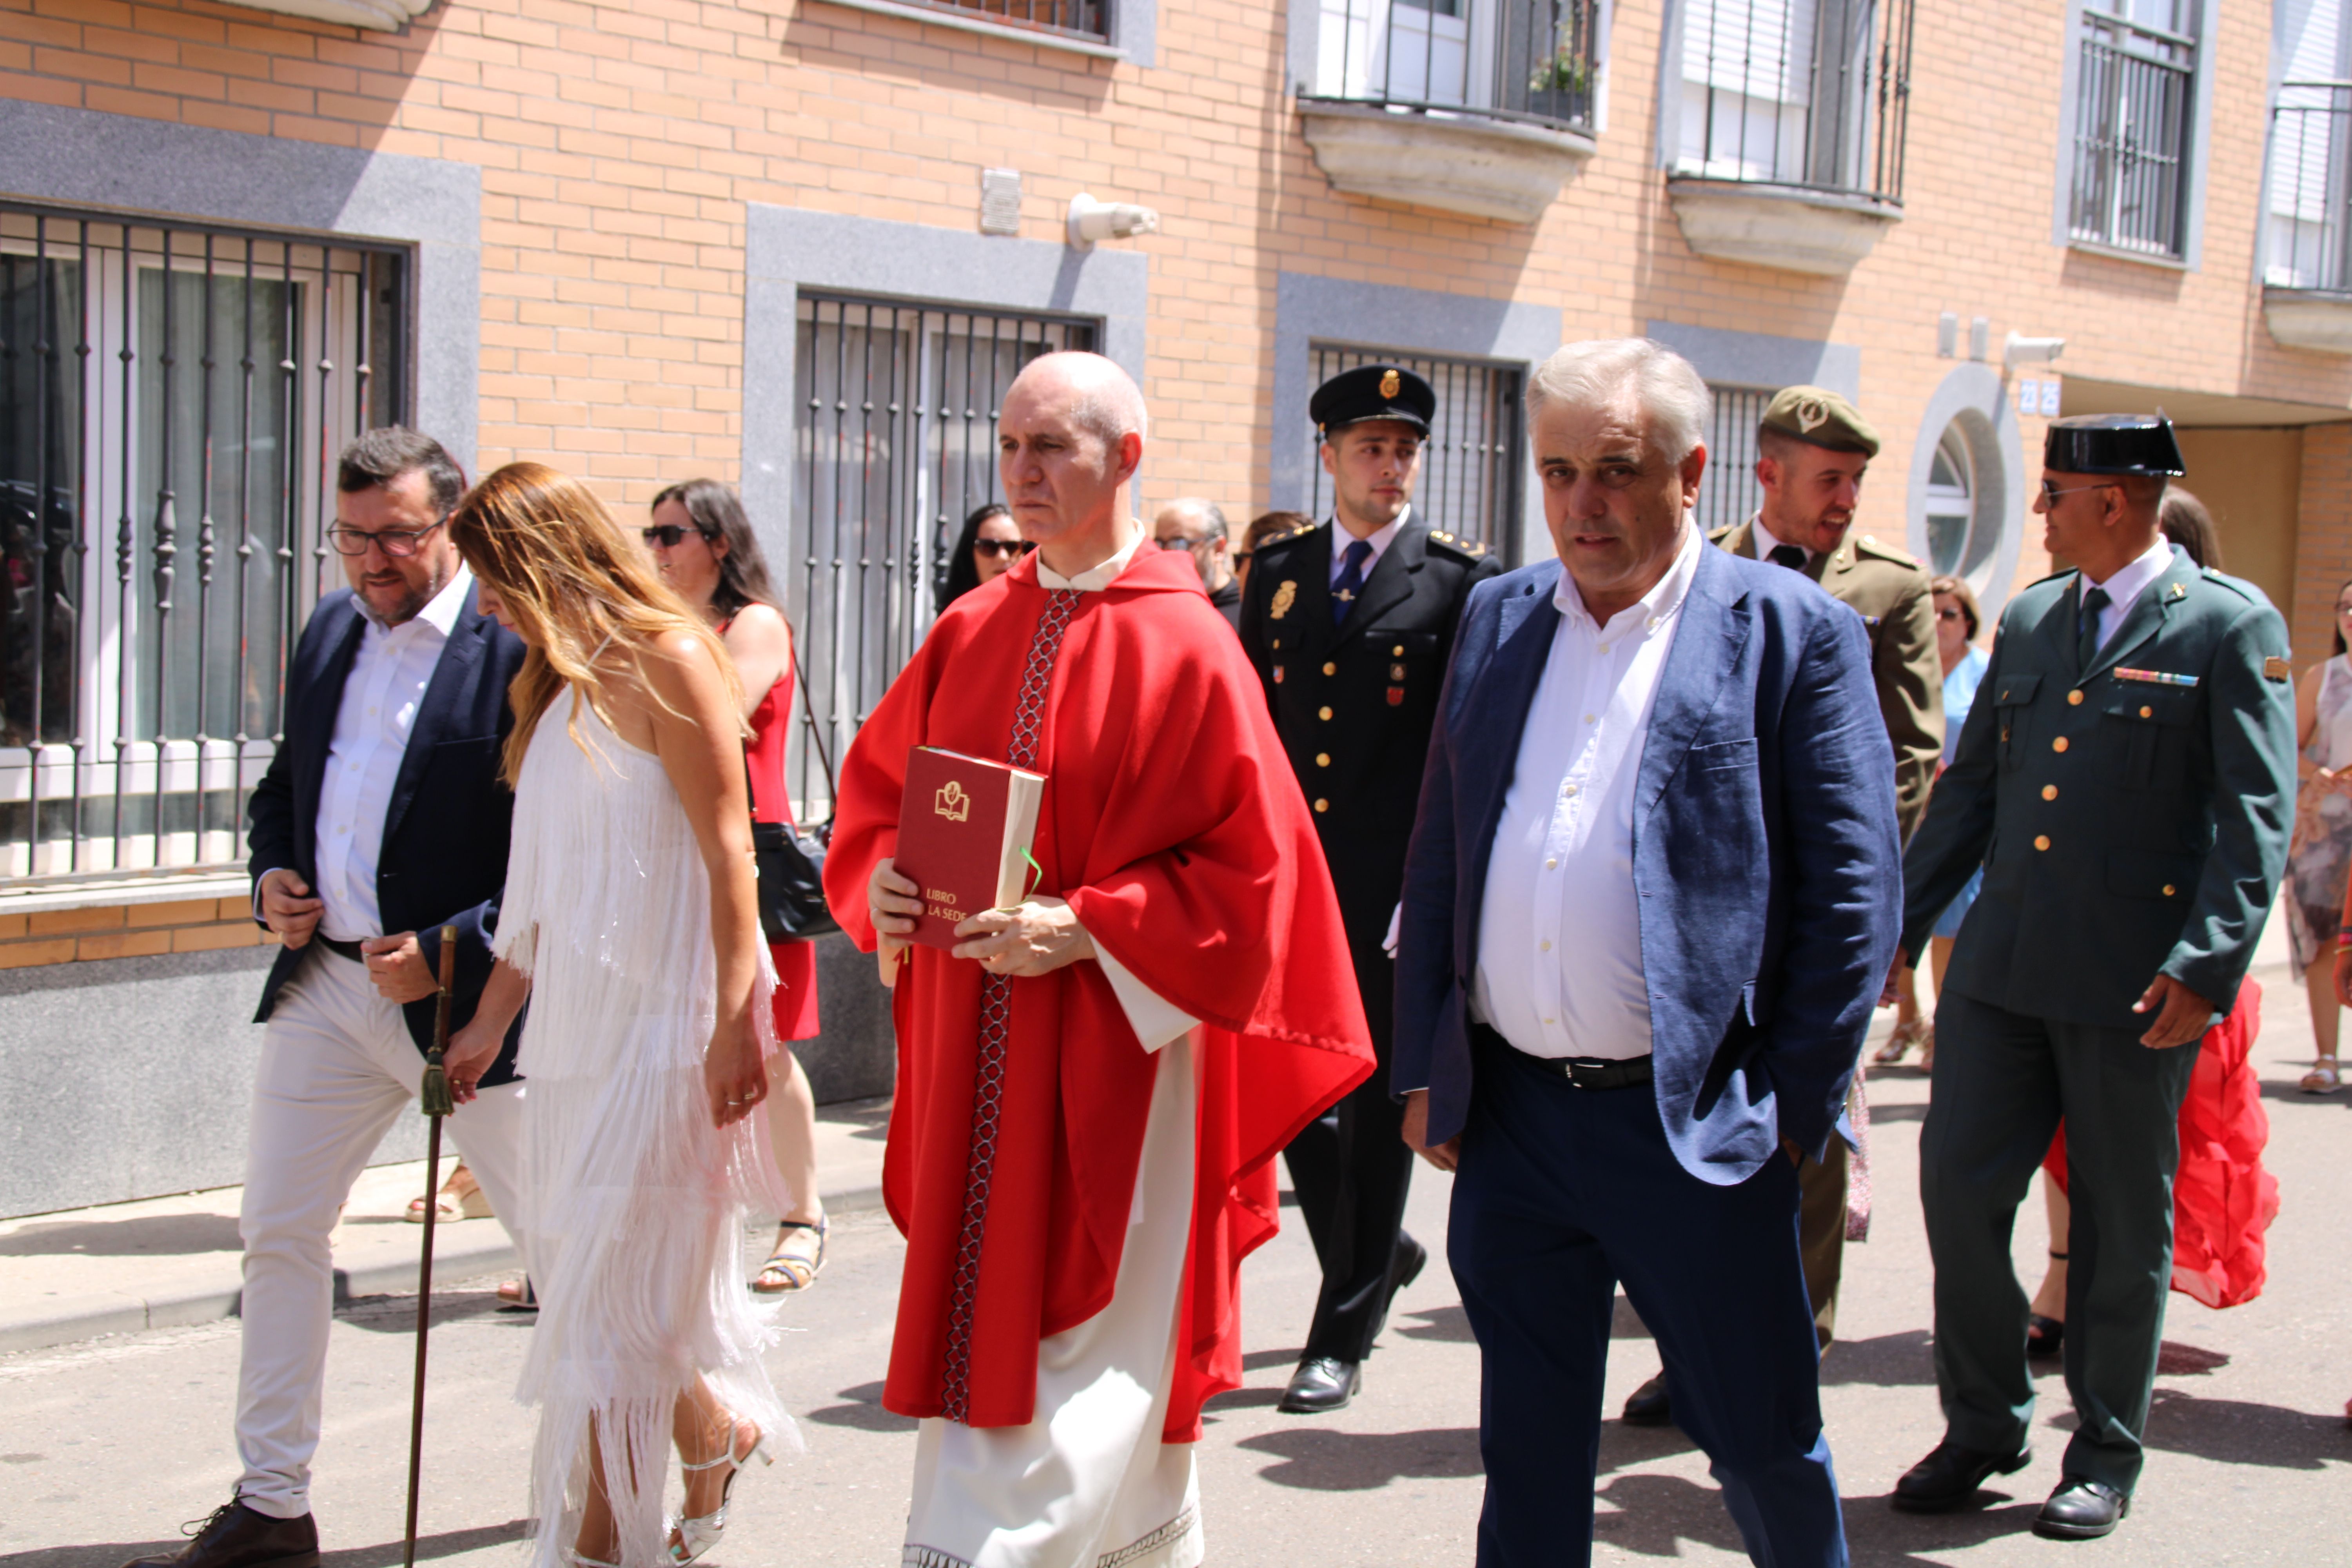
1034, 937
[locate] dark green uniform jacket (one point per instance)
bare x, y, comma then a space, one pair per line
2132, 817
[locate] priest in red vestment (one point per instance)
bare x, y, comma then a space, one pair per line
1093, 1085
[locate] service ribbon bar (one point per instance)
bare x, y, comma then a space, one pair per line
2154, 677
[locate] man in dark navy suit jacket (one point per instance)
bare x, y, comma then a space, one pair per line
1652, 891
380, 820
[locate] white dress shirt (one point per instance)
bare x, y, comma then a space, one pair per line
1154, 1020
1766, 543
1560, 934
2127, 583
381, 697
1379, 540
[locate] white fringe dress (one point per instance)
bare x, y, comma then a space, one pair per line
639, 1205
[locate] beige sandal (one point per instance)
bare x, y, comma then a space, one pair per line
1900, 1042
2325, 1078
791, 1267
453, 1204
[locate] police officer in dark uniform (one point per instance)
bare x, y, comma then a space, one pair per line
2126, 779
1350, 624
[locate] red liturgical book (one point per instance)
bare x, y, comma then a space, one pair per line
965, 826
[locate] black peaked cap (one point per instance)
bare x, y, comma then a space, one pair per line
1373, 392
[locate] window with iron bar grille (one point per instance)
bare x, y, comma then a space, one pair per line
1471, 467
1729, 494
171, 401
2134, 96
1812, 93
1513, 59
895, 444
1078, 19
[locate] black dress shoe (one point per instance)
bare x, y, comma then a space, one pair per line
1649, 1404
2044, 1337
1949, 1477
238, 1537
1321, 1385
2082, 1509
1405, 1265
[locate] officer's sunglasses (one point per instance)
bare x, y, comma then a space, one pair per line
1003, 548
668, 535
2050, 492
397, 543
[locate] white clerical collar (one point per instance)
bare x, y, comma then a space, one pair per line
2127, 582
1767, 542
1653, 609
440, 612
1095, 578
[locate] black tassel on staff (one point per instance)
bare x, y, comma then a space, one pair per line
433, 1100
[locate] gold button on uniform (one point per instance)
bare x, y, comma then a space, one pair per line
2073, 699
2040, 841
1323, 760
1330, 669
2147, 712
2050, 791
2167, 889
1322, 712
1325, 805
2057, 745
1397, 652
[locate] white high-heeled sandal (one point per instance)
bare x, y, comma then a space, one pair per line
698, 1535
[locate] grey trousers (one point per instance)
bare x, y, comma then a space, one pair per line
2001, 1082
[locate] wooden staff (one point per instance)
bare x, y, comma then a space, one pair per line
433, 1100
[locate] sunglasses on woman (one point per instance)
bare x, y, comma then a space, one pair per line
668, 534
1001, 547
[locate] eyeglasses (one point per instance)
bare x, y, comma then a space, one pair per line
398, 542
1186, 541
668, 534
2050, 492
1001, 547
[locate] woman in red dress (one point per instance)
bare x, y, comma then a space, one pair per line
703, 543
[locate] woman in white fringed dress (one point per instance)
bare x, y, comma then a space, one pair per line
630, 921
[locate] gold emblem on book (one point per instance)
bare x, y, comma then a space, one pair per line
1283, 598
952, 803
1390, 382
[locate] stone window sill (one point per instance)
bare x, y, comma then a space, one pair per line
2119, 253
1457, 161
1792, 228
2317, 319
375, 15
117, 893
986, 26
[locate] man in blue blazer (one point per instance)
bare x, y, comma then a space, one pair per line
379, 819
1653, 888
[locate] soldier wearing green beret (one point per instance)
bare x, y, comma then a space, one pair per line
2126, 779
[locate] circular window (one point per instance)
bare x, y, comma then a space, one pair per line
1967, 490
1950, 512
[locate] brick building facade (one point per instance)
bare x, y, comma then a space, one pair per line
797, 243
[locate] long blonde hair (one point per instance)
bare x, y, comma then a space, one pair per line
575, 582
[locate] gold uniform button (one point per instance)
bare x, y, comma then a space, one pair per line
2167, 889
1329, 668
1325, 805
2147, 712
2050, 791
2073, 699
1397, 652
1322, 712
2057, 745
1322, 759
2040, 841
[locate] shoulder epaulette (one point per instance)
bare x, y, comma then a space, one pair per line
1468, 549
1868, 544
2238, 585
1720, 534
1301, 532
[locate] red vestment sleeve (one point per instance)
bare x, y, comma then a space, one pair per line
1173, 825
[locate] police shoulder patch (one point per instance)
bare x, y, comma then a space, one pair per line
1467, 549
2276, 669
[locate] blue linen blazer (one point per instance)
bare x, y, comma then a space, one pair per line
1765, 855
444, 857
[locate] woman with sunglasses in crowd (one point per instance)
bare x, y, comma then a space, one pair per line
702, 541
986, 548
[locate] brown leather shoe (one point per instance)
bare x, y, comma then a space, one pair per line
238, 1537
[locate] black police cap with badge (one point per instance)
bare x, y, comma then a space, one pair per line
1372, 392
2113, 444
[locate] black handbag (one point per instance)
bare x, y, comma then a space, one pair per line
791, 863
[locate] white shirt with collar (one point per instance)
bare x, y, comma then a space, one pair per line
1155, 1022
2127, 583
380, 698
1767, 542
1379, 540
1560, 934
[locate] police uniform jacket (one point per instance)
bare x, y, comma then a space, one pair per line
1354, 702
2132, 817
1889, 590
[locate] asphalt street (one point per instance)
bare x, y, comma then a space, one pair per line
105, 1447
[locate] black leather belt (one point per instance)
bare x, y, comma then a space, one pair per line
350, 949
1582, 1072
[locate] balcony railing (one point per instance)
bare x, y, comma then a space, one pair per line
1511, 59
2134, 88
2309, 243
1815, 97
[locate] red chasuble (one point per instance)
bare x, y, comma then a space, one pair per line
1172, 824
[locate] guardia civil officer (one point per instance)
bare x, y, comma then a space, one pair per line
2126, 779
1351, 623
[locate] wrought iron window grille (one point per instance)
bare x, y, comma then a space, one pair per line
1813, 94
1085, 19
895, 442
1534, 61
1472, 468
2309, 245
172, 399
1729, 494
2135, 97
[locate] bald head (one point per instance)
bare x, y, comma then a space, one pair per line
1069, 438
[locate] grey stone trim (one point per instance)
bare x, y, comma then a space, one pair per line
80, 157
787, 250
1135, 30
1308, 309
1759, 359
2201, 141
1975, 395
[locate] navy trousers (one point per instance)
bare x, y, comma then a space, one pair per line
1561, 1194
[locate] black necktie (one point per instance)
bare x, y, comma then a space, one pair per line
1793, 556
2086, 634
1351, 578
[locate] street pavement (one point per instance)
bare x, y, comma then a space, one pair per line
105, 1447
